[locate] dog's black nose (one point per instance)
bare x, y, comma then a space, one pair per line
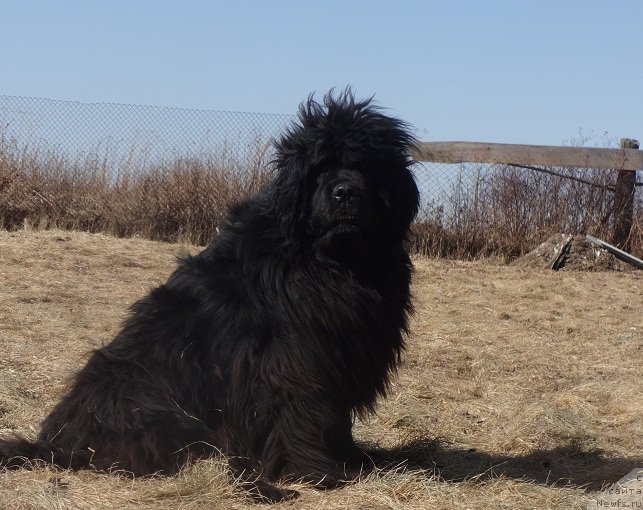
345, 193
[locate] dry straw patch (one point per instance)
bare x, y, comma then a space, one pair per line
520, 388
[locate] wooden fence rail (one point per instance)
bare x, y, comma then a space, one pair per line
537, 155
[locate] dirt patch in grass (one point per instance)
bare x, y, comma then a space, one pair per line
520, 387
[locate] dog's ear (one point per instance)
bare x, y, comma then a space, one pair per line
288, 196
291, 189
393, 143
404, 201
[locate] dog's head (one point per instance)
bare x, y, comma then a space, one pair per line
343, 176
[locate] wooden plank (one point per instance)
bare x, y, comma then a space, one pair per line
620, 254
537, 155
562, 254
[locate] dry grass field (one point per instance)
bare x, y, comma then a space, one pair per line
520, 388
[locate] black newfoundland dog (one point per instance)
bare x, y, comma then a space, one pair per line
267, 344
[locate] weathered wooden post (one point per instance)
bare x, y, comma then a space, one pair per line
623, 205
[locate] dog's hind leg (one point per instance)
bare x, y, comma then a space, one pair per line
165, 441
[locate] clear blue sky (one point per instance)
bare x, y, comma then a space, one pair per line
540, 72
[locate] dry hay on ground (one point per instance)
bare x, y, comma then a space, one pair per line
520, 387
566, 252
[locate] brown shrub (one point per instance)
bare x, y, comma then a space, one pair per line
185, 199
507, 211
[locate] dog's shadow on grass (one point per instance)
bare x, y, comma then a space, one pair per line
571, 464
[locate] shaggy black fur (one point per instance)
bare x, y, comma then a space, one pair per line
267, 344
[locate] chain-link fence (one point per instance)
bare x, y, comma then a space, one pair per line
163, 173
170, 174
